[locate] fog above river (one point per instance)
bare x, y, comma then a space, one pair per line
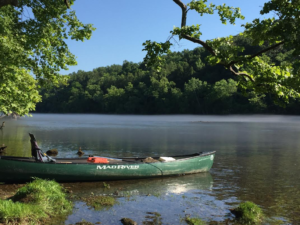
62, 121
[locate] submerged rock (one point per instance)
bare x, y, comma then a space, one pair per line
80, 152
52, 152
2, 148
128, 221
153, 218
194, 221
84, 223
100, 202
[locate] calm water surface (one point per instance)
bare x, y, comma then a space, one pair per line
257, 160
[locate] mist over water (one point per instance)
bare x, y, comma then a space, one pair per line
257, 157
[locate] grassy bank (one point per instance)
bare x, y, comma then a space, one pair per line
35, 203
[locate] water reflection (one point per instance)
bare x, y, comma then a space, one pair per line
167, 200
155, 186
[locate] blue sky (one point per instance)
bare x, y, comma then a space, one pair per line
122, 27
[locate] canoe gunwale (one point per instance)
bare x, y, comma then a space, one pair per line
126, 161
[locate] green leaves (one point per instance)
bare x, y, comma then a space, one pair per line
226, 13
225, 50
284, 27
18, 92
34, 45
277, 80
230, 14
259, 31
155, 52
201, 7
192, 31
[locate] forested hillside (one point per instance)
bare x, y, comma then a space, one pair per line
186, 83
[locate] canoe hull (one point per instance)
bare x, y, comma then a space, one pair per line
21, 171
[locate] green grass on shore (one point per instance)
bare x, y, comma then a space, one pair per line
35, 203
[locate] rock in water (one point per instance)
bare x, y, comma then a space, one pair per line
128, 221
80, 152
52, 152
2, 148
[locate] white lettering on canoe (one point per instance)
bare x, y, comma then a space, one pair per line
122, 167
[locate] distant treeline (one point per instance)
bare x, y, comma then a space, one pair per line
186, 84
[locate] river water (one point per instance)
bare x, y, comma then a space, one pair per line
257, 160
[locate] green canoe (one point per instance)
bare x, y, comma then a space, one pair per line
21, 169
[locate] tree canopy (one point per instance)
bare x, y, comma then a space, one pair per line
254, 70
33, 49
